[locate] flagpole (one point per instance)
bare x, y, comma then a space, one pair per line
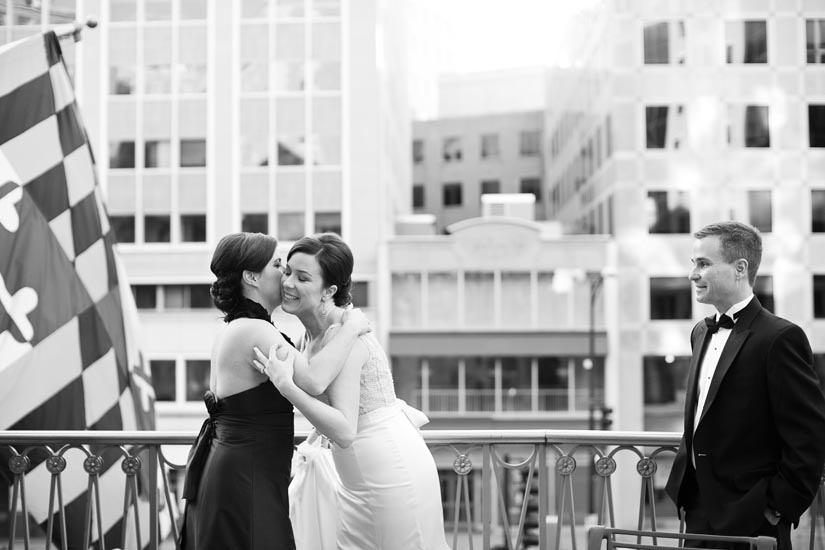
73, 29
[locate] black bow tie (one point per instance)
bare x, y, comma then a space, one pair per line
714, 325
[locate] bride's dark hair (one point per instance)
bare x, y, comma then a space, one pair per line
234, 254
336, 261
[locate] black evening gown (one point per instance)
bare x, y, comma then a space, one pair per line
238, 473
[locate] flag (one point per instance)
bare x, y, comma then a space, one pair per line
68, 324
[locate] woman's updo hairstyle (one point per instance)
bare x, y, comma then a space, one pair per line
336, 261
236, 253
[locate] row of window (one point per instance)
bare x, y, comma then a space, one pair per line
452, 149
158, 153
157, 228
452, 193
477, 384
496, 384
748, 126
671, 298
587, 161
669, 211
664, 42
196, 296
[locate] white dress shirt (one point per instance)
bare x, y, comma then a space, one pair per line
711, 359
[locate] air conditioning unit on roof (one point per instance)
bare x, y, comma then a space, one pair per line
512, 205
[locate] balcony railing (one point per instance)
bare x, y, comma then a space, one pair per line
512, 489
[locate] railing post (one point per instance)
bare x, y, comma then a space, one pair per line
544, 495
153, 496
486, 497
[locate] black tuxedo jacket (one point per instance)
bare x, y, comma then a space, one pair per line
760, 442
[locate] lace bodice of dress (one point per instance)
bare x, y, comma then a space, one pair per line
377, 388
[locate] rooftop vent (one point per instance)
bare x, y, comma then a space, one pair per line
512, 205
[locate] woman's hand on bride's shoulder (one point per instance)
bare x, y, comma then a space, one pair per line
278, 366
356, 319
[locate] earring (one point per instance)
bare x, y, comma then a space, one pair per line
326, 307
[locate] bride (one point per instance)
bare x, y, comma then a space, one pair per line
389, 497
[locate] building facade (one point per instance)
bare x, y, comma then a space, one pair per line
457, 160
675, 115
288, 117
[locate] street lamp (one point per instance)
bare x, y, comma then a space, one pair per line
595, 280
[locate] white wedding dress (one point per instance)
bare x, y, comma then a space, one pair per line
389, 496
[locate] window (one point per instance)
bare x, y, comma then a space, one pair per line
146, 296
530, 143
193, 228
489, 146
418, 151
124, 228
121, 79
815, 40
763, 290
157, 78
406, 300
670, 298
819, 296
668, 212
490, 187
418, 196
122, 154
156, 229
192, 152
664, 43
255, 223
748, 126
516, 383
531, 185
665, 379
665, 126
290, 226
187, 297
197, 379
289, 154
451, 194
746, 42
328, 222
157, 154
480, 384
451, 149
163, 378
818, 210
443, 382
760, 212
816, 125
360, 294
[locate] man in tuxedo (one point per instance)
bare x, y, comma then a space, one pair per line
753, 450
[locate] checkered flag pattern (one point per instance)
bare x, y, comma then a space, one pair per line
68, 353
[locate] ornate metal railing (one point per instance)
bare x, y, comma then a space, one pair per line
512, 489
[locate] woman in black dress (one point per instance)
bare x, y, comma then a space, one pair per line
239, 467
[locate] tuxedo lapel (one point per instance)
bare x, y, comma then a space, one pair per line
693, 374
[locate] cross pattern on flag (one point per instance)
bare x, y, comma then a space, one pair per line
69, 358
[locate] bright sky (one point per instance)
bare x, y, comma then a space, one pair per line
466, 36
480, 35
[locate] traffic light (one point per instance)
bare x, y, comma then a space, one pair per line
607, 421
